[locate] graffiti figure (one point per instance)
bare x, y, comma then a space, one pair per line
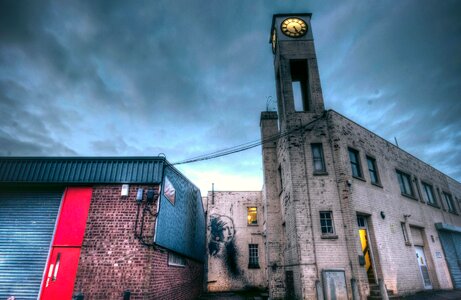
221, 244
222, 232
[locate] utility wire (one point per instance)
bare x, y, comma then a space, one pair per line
245, 146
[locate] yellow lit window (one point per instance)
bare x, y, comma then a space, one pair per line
252, 216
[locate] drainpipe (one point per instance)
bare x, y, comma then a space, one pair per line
355, 289
318, 286
383, 290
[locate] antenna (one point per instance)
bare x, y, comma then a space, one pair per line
212, 193
396, 142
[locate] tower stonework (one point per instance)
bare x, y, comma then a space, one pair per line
296, 72
287, 198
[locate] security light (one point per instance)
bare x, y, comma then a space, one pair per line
139, 195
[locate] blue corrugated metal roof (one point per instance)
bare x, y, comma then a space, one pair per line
79, 170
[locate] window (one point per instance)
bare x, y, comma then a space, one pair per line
355, 163
253, 259
176, 260
280, 178
317, 157
300, 84
373, 170
429, 193
449, 202
404, 232
326, 222
169, 191
252, 216
405, 184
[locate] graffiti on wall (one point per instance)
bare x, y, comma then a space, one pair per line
222, 243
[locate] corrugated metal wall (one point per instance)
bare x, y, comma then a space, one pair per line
27, 221
81, 170
451, 243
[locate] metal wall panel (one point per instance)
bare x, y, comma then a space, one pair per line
78, 170
451, 243
27, 221
181, 221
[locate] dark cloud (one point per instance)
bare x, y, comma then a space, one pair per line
186, 78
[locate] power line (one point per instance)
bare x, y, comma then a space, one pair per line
244, 146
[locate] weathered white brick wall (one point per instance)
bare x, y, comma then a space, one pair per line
294, 198
397, 261
228, 258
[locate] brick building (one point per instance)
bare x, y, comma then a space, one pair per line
344, 213
101, 228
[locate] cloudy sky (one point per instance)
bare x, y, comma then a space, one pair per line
188, 77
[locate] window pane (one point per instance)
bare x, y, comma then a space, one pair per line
317, 156
429, 193
402, 186
176, 260
449, 202
253, 258
355, 163
373, 170
326, 222
352, 156
405, 183
252, 216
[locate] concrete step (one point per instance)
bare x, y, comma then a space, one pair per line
375, 293
379, 297
373, 287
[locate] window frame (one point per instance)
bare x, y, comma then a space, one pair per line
357, 163
323, 170
253, 260
332, 224
280, 178
175, 260
426, 194
248, 216
451, 208
405, 234
371, 159
403, 192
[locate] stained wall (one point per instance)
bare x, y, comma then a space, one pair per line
228, 240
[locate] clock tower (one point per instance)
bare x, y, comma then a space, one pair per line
290, 245
299, 94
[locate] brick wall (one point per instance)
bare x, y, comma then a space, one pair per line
112, 260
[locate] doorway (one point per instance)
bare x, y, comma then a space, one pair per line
366, 249
422, 263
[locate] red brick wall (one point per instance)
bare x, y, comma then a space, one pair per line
112, 260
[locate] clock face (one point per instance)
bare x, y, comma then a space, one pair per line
274, 40
294, 27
